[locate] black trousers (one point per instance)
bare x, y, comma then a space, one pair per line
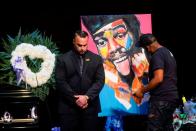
160, 116
79, 122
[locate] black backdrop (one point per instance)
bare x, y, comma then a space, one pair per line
172, 24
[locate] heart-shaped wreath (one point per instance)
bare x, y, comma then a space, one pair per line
23, 72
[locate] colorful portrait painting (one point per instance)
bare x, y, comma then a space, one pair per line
115, 39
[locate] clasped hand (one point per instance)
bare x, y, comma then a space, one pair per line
81, 101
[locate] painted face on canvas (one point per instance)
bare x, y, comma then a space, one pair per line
113, 41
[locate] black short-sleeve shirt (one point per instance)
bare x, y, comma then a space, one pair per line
167, 90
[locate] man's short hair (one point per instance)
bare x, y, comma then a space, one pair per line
81, 33
146, 39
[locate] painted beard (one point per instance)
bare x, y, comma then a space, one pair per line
121, 61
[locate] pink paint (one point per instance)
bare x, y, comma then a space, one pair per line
91, 45
145, 23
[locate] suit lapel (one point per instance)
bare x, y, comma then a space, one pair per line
87, 59
75, 62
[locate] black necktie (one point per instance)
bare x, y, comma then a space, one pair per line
81, 64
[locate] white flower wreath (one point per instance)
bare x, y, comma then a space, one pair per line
19, 63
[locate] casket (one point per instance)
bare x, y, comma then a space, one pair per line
19, 109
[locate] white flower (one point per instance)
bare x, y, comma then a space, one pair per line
40, 52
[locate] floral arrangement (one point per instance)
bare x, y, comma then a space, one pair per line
28, 62
24, 73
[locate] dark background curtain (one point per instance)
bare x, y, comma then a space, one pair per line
172, 23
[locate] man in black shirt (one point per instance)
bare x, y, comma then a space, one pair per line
162, 85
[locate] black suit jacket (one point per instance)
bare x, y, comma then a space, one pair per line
70, 82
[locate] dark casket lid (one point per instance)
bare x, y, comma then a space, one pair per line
12, 91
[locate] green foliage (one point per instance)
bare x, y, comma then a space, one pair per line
8, 76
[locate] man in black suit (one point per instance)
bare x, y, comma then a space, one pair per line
79, 78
